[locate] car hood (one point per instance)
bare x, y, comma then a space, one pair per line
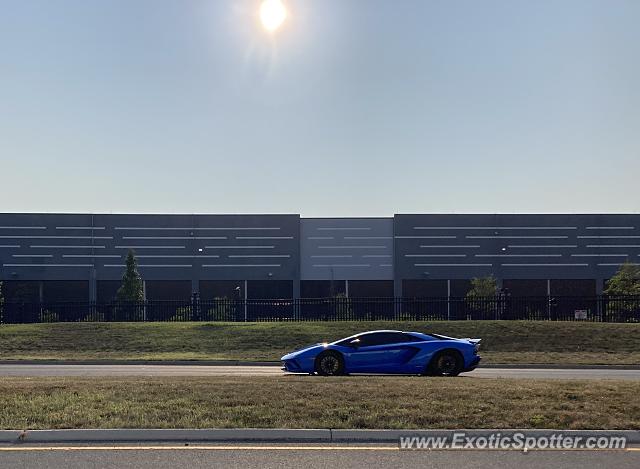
304, 350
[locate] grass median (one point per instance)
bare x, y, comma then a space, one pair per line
502, 341
315, 402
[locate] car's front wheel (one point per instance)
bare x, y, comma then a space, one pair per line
330, 363
446, 363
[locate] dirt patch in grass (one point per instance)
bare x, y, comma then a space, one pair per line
502, 341
314, 402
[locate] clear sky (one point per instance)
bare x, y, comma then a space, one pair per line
352, 107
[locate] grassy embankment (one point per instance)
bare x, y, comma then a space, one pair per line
502, 341
313, 402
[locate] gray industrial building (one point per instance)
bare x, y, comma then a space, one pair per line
80, 257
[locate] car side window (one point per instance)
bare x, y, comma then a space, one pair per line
368, 340
410, 338
381, 338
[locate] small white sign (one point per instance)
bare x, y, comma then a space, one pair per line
581, 313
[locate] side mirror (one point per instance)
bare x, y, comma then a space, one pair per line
355, 343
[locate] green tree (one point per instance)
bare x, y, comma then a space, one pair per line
483, 287
626, 281
480, 301
131, 288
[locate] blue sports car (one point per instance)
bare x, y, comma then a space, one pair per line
387, 352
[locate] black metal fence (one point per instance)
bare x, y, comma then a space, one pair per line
597, 308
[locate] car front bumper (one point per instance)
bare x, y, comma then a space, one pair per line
292, 366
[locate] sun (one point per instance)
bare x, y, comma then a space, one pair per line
272, 14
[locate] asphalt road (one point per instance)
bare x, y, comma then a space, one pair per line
28, 457
199, 370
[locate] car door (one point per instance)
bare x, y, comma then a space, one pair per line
380, 352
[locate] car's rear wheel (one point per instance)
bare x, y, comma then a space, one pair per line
446, 363
330, 363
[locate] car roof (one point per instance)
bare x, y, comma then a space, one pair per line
360, 334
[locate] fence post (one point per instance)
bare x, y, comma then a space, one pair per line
245, 301
599, 308
195, 306
448, 300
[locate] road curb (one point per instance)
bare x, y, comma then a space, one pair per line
143, 362
282, 435
554, 366
161, 435
526, 366
393, 436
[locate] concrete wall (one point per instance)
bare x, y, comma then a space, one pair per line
514, 246
346, 248
86, 247
168, 247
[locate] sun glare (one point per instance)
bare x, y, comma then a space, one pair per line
272, 14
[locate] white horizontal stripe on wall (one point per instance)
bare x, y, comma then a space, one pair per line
516, 237
239, 247
426, 237
150, 247
344, 228
435, 255
80, 227
618, 264
352, 247
331, 256
264, 237
340, 265
10, 246
619, 246
453, 265
153, 265
173, 237
545, 265
33, 255
386, 265
599, 255
320, 237
249, 256
190, 256
47, 265
518, 255
45, 246
611, 227
23, 227
93, 255
368, 237
57, 237
464, 246
609, 237
241, 265
495, 227
236, 228
543, 246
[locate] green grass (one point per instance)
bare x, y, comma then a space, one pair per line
314, 402
502, 341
